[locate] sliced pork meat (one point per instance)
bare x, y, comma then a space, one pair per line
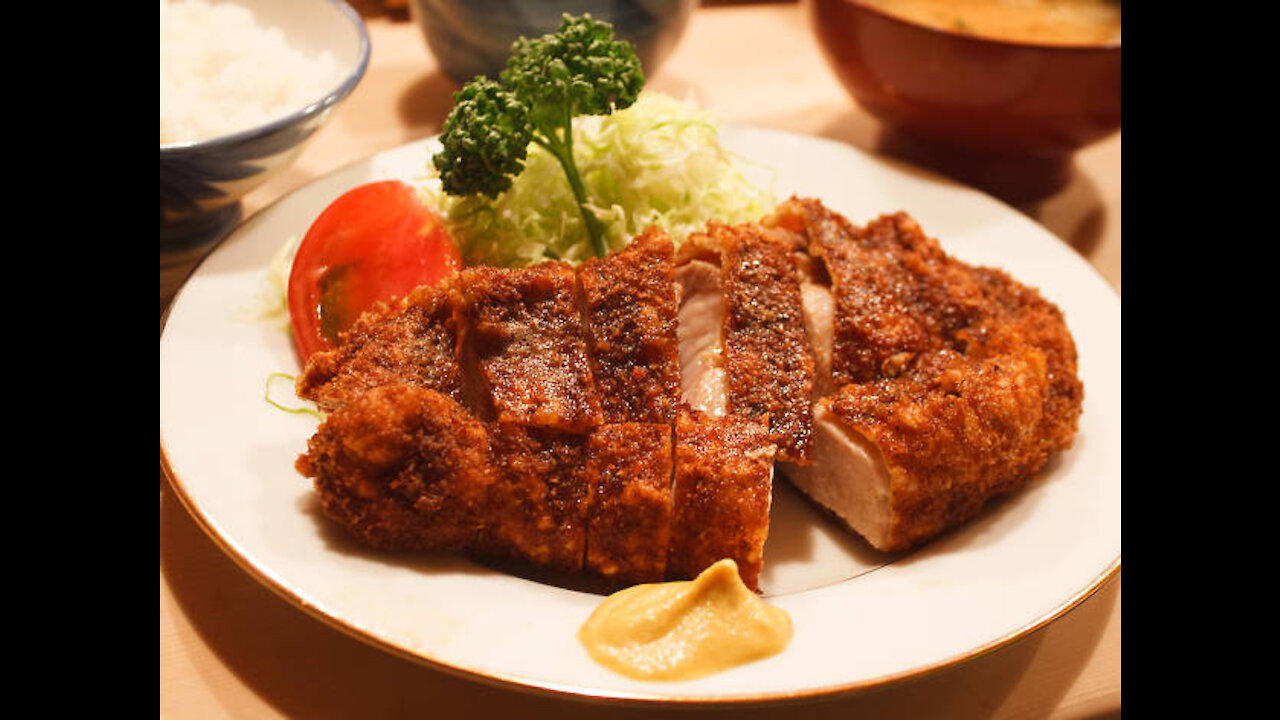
722, 494
629, 471
525, 331
819, 315
949, 384
767, 355
537, 509
703, 382
816, 300
744, 345
936, 443
411, 341
624, 418
403, 468
630, 314
897, 293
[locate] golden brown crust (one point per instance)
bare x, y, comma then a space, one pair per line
954, 433
409, 341
963, 379
897, 293
526, 333
970, 399
629, 469
1019, 318
402, 468
768, 356
721, 495
537, 508
629, 304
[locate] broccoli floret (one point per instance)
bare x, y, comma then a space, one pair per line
578, 70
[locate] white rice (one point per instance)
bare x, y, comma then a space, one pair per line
221, 72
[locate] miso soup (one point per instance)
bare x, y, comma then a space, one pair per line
1059, 22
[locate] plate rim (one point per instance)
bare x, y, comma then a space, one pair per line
584, 693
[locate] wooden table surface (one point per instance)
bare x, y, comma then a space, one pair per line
230, 648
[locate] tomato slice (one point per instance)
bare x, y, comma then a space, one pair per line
375, 242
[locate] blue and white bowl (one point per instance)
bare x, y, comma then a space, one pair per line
202, 182
474, 37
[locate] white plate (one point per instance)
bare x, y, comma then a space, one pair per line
860, 621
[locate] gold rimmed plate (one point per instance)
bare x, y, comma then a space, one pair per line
862, 619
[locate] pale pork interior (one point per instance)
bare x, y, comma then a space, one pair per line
702, 372
847, 476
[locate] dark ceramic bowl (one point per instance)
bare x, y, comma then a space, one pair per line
474, 37
202, 182
990, 98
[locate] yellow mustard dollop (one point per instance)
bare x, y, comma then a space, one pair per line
685, 630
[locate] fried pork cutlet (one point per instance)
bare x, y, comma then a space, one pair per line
624, 419
629, 503
700, 329
403, 468
721, 495
525, 331
952, 384
897, 294
537, 508
629, 308
767, 354
744, 345
408, 341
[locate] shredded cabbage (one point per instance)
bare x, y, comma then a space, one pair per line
658, 162
272, 303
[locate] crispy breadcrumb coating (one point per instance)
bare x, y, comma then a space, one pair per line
768, 355
526, 333
407, 341
629, 508
629, 307
963, 379
721, 496
403, 468
535, 413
